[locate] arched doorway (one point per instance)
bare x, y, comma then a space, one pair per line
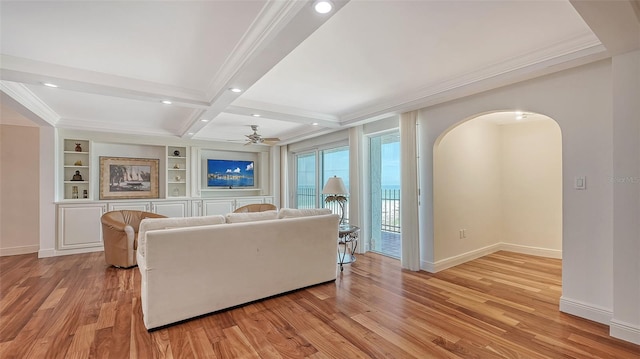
498, 186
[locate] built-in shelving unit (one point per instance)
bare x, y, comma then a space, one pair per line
76, 169
177, 172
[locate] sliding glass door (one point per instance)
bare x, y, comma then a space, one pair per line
384, 177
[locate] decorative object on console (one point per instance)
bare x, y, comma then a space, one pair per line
128, 178
335, 191
78, 147
77, 176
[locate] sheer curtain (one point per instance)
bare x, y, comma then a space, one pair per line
410, 257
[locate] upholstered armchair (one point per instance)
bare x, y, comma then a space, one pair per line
120, 236
255, 207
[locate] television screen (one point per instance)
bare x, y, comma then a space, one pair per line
229, 173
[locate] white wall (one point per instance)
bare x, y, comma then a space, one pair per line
467, 189
531, 160
19, 190
626, 189
501, 184
580, 100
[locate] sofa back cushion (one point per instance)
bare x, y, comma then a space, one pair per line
149, 224
303, 212
251, 216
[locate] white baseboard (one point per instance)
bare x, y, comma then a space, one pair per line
14, 251
45, 253
586, 310
461, 258
625, 331
443, 264
534, 251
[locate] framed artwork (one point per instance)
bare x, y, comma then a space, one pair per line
128, 178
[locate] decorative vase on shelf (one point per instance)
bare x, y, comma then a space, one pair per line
176, 192
78, 147
78, 163
74, 192
176, 153
176, 166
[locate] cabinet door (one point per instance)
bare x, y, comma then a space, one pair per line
79, 226
171, 209
217, 207
131, 206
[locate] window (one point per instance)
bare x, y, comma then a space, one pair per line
313, 169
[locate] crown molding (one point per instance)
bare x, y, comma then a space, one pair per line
36, 72
283, 113
575, 52
94, 126
21, 94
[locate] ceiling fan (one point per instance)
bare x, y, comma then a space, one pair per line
256, 138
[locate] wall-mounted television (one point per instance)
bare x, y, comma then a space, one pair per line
230, 173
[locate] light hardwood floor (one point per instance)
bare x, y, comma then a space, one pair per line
504, 305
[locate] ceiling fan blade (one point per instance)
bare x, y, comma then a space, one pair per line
248, 143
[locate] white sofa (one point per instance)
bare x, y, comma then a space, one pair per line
194, 266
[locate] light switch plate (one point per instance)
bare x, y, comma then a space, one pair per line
580, 182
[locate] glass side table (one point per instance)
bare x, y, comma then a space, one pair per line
348, 242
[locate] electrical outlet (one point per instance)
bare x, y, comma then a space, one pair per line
461, 233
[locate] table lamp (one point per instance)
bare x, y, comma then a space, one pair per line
335, 191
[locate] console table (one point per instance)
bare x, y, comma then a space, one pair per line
347, 238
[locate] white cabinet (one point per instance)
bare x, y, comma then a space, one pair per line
218, 206
75, 169
131, 206
171, 208
79, 226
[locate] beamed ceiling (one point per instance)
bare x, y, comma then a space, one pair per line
115, 62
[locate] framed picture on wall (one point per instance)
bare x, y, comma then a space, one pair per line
128, 178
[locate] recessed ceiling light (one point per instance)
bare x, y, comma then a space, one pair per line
255, 114
204, 120
166, 102
49, 84
236, 90
314, 124
322, 6
190, 133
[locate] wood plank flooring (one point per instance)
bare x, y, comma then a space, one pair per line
504, 305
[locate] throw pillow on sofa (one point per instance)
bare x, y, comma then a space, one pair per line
302, 212
251, 216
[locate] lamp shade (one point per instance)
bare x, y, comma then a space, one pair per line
334, 185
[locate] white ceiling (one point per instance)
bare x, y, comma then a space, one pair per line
115, 62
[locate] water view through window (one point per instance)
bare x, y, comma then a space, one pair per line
385, 194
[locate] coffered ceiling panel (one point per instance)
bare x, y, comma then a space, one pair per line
115, 61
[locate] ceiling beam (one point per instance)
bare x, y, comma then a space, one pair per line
279, 29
